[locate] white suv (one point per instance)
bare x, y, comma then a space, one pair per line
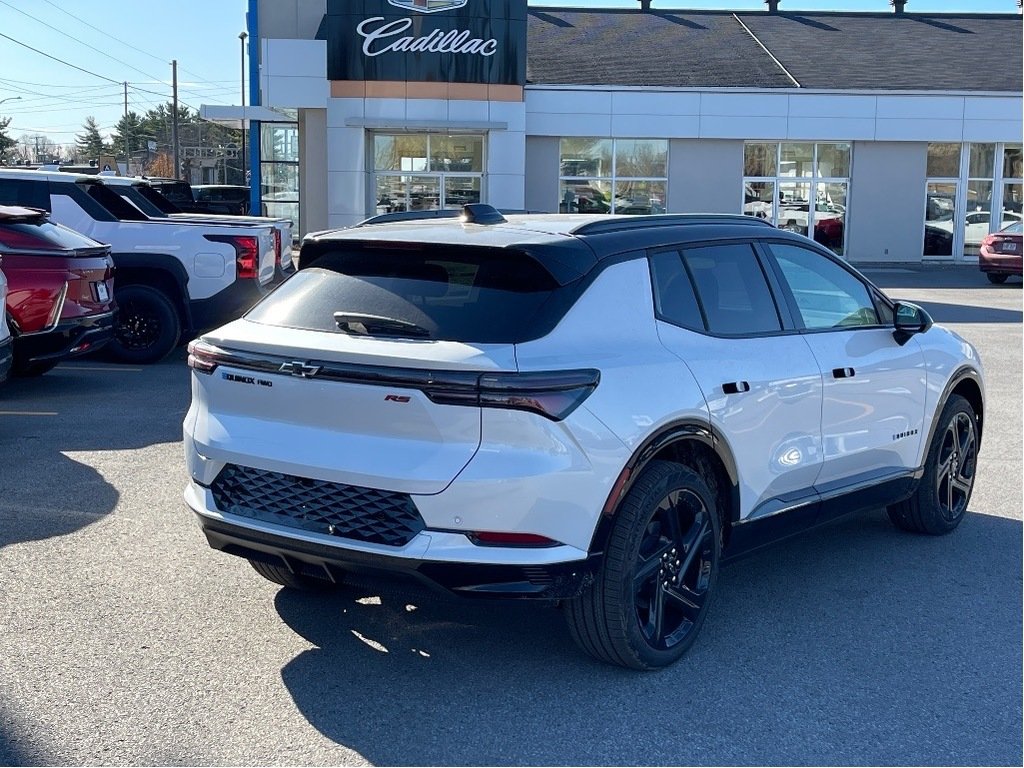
588, 410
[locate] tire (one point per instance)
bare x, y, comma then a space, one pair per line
286, 578
27, 370
996, 279
649, 600
941, 498
147, 326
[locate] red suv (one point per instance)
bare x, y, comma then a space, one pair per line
60, 297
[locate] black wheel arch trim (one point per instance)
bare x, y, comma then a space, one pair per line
677, 432
961, 374
161, 263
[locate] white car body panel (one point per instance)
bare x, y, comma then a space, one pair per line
5, 331
871, 422
772, 429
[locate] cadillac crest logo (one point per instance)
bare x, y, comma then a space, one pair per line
428, 6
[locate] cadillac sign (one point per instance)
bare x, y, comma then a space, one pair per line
453, 41
428, 6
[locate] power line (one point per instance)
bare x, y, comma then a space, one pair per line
107, 34
72, 37
66, 63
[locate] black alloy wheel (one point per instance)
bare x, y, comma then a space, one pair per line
673, 569
652, 592
957, 462
147, 327
939, 502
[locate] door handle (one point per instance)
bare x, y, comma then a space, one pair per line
735, 387
843, 373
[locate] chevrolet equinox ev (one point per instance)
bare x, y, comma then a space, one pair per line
589, 410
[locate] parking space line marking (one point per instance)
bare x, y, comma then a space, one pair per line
29, 413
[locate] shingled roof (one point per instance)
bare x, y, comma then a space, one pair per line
720, 49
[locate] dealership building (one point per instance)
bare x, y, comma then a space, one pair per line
888, 136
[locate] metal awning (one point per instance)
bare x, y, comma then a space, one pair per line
236, 116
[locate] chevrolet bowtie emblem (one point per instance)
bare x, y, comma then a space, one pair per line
300, 369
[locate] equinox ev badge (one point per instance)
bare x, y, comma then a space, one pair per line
428, 6
300, 369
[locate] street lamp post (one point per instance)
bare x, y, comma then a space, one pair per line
241, 164
12, 98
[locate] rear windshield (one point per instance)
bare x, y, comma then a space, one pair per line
477, 295
115, 204
43, 235
1013, 229
136, 198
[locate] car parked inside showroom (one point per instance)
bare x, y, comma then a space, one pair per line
60, 291
1001, 254
588, 410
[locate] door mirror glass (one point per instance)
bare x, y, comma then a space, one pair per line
911, 319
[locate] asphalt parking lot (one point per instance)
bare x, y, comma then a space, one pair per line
125, 639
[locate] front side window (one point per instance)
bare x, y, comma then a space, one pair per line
799, 186
627, 176
826, 295
732, 290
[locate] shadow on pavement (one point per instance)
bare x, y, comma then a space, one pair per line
76, 408
899, 649
969, 313
947, 277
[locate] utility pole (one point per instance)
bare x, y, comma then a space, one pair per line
174, 117
241, 163
127, 153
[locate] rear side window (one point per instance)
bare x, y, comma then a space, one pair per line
449, 293
732, 289
674, 298
25, 192
158, 199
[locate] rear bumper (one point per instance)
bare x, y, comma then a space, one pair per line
551, 581
493, 574
1000, 264
6, 358
67, 339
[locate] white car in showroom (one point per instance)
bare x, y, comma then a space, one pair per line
588, 410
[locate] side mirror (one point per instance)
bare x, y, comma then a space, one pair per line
909, 320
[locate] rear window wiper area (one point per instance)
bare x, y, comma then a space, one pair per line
375, 325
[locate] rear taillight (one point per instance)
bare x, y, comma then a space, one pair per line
277, 246
552, 394
247, 254
58, 306
202, 357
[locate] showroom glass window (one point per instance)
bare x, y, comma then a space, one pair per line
427, 171
279, 170
799, 186
628, 176
966, 183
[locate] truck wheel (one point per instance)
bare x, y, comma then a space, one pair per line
286, 578
652, 593
940, 501
996, 279
147, 326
